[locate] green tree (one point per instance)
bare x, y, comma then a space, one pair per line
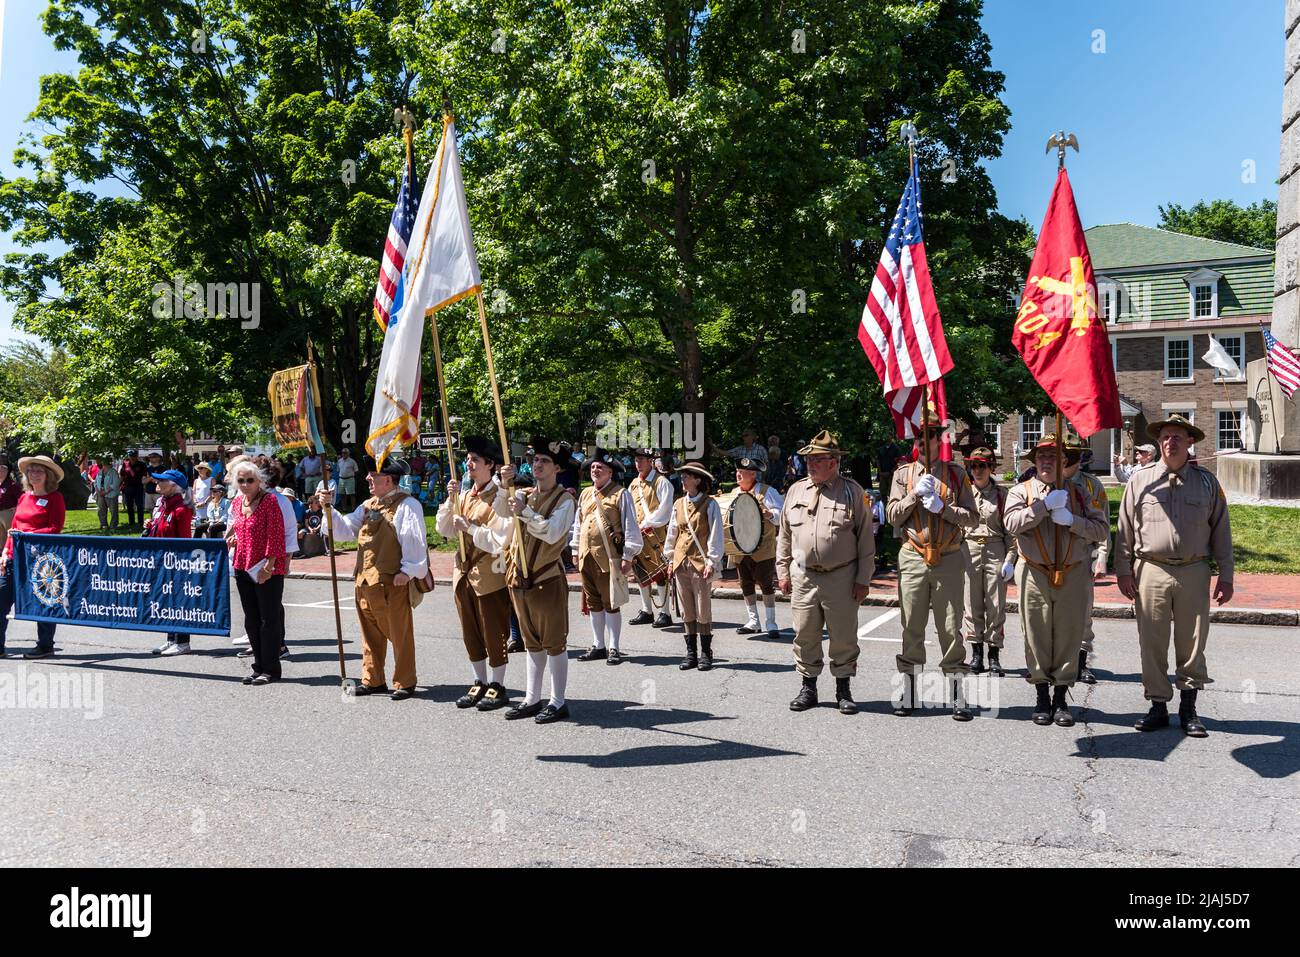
1222, 219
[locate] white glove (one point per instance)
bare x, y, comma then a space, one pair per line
1057, 498
1062, 516
1099, 568
925, 485
933, 502
1008, 570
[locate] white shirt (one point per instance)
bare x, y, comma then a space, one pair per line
202, 490
713, 547
773, 502
632, 540
483, 536
310, 465
549, 530
664, 492
408, 522
346, 468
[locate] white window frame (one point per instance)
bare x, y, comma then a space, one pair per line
1108, 308
1191, 372
1025, 447
996, 431
1199, 280
1218, 430
1188, 412
1241, 362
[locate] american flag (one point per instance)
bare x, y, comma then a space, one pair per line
901, 331
389, 294
1282, 363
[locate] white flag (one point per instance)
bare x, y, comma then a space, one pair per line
441, 268
1219, 359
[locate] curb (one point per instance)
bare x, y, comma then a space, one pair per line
1285, 617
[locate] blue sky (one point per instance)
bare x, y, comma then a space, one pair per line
1184, 93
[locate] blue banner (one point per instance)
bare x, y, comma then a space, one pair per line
139, 584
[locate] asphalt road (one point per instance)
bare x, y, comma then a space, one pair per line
174, 762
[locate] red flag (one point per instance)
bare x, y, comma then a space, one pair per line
939, 421
1057, 331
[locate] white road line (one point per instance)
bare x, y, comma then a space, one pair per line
876, 623
346, 605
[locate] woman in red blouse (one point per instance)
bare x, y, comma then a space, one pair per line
258, 557
40, 510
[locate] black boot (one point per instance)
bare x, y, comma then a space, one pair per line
691, 659
908, 701
643, 618
1085, 673
977, 657
807, 696
1157, 717
706, 652
1043, 708
995, 662
843, 697
959, 710
1060, 710
1187, 717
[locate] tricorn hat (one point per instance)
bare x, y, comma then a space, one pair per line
394, 466
643, 453
608, 459
557, 452
44, 460
823, 443
484, 448
1154, 428
752, 465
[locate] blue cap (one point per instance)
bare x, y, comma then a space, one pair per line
171, 475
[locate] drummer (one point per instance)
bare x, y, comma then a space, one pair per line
652, 496
694, 546
757, 567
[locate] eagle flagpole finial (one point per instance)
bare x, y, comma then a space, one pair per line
1061, 140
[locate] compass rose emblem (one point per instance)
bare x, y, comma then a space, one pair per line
50, 580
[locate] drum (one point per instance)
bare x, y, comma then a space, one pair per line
743, 525
649, 568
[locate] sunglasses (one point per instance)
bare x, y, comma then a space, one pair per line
246, 481
978, 465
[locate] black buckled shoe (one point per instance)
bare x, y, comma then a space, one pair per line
1043, 707
1085, 673
977, 658
706, 652
1157, 717
494, 697
960, 711
615, 657
664, 620
642, 618
692, 655
907, 702
594, 654
361, 689
1061, 716
551, 713
843, 697
995, 662
524, 711
807, 696
401, 694
1187, 716
471, 697
774, 634
515, 646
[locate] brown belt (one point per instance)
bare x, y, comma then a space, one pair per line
1176, 562
821, 570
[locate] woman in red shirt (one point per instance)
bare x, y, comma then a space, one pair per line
40, 510
257, 531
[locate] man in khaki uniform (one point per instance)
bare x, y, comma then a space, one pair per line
825, 556
1054, 528
1172, 520
990, 563
929, 512
1098, 554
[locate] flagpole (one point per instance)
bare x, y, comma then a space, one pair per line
925, 444
1268, 379
329, 526
446, 431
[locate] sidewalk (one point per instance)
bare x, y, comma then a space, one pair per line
1258, 599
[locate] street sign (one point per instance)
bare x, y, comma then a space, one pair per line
438, 440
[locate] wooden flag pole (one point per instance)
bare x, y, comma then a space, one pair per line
446, 429
925, 446
329, 528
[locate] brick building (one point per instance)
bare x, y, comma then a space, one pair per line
1162, 295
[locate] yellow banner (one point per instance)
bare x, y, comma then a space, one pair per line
288, 408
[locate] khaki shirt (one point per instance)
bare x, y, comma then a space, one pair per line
1175, 517
1028, 518
825, 527
990, 502
1096, 492
911, 519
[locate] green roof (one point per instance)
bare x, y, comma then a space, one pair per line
1127, 245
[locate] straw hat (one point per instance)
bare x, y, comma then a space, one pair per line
44, 460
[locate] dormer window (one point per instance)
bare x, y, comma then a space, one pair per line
1203, 294
1107, 299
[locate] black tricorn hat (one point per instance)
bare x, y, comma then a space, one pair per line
395, 466
558, 452
607, 458
484, 448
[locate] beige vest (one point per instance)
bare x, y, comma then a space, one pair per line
486, 575
595, 507
695, 518
544, 561
379, 553
645, 501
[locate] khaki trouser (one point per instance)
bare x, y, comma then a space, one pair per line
986, 592
484, 622
820, 599
385, 613
1177, 594
595, 584
695, 593
1052, 620
543, 613
922, 588
102, 505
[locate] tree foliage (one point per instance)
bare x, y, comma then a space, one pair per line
1222, 219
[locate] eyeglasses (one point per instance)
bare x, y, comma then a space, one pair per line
978, 465
246, 481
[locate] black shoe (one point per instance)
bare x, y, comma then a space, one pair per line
664, 620
284, 652
473, 696
524, 711
1157, 717
551, 713
706, 652
401, 694
594, 654
362, 689
38, 653
1085, 673
747, 629
1187, 716
908, 701
995, 662
774, 634
843, 697
692, 658
248, 679
494, 697
807, 696
642, 618
1060, 710
977, 658
615, 657
1043, 708
246, 653
262, 680
515, 646
959, 710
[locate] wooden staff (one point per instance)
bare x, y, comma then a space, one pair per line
446, 428
931, 534
329, 526
1057, 571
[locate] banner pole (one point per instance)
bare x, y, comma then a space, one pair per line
446, 429
501, 422
1060, 482
329, 528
